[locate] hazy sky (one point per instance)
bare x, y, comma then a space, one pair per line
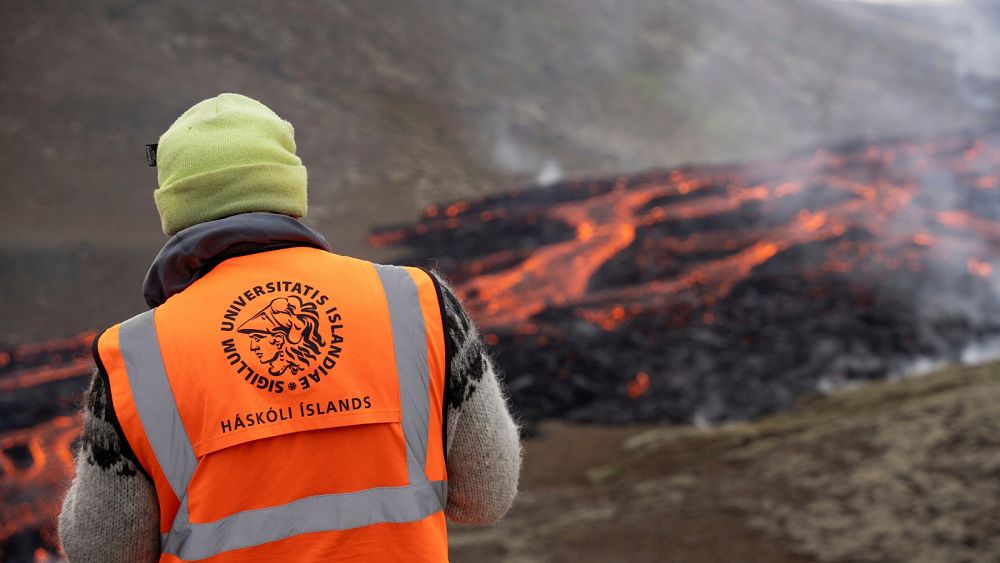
907, 1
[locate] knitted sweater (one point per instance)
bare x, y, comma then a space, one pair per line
110, 512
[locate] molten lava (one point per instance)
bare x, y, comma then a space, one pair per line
706, 293
733, 289
40, 388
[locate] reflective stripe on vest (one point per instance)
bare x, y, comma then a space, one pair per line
157, 409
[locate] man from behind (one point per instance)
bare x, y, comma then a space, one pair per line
280, 401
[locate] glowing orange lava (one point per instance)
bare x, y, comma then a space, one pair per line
887, 202
33, 478
638, 385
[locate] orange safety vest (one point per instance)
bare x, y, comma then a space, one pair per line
288, 406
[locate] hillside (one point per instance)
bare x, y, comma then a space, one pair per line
902, 470
398, 105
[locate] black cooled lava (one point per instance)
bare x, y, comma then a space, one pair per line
724, 292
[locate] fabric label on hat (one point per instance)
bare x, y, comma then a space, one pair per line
151, 154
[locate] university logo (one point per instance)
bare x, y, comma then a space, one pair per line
282, 336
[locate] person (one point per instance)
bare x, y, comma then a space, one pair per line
280, 401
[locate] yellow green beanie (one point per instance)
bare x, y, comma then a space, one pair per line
227, 155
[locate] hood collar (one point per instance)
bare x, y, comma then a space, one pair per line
194, 251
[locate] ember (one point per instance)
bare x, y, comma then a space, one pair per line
638, 385
730, 289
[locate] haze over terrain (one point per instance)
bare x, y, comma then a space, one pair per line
398, 105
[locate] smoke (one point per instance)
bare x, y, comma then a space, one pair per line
643, 84
969, 33
972, 30
518, 159
550, 173
909, 3
969, 30
607, 87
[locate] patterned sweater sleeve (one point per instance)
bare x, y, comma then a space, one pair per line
110, 512
483, 446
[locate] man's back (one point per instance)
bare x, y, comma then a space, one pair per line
287, 392
277, 390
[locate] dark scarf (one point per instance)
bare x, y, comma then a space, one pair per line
193, 252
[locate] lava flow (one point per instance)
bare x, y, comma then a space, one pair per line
728, 290
40, 391
697, 294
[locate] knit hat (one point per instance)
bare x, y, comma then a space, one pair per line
227, 155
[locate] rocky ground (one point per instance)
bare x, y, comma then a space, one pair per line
902, 470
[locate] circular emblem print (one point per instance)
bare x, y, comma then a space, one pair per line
282, 336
